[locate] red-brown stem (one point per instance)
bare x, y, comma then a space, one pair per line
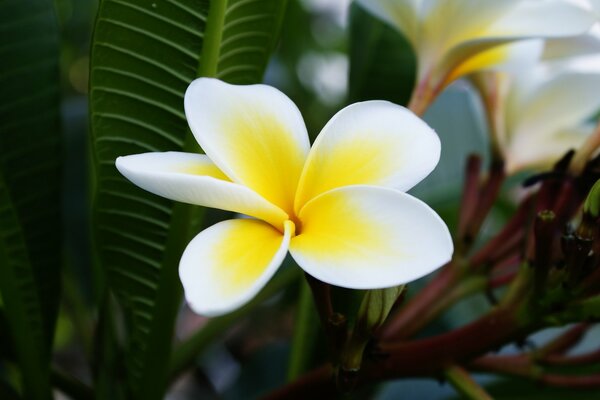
518, 365
428, 356
581, 359
409, 319
511, 248
570, 381
521, 366
567, 202
470, 197
512, 228
563, 342
424, 357
487, 198
422, 96
509, 263
502, 280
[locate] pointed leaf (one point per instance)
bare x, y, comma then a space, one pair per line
382, 62
30, 176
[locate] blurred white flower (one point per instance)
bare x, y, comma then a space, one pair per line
538, 114
453, 38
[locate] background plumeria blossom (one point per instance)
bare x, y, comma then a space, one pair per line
338, 207
538, 114
454, 38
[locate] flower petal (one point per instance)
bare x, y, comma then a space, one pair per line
542, 151
563, 48
512, 57
557, 103
370, 143
194, 179
366, 237
524, 20
254, 134
448, 23
542, 19
226, 265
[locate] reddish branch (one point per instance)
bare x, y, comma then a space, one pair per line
425, 357
470, 196
487, 197
563, 342
522, 366
580, 359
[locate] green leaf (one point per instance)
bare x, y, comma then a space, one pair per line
376, 306
30, 176
382, 62
144, 55
592, 202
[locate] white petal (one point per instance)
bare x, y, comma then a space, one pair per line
226, 265
365, 237
369, 143
513, 58
541, 151
542, 19
194, 179
563, 48
448, 23
525, 20
561, 102
254, 134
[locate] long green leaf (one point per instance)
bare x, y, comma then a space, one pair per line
382, 62
145, 53
30, 176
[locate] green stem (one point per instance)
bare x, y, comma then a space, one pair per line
209, 59
304, 333
186, 353
462, 381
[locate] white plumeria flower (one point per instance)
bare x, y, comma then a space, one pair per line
338, 207
453, 38
540, 114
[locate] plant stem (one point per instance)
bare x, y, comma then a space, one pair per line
522, 367
562, 343
422, 96
411, 318
470, 197
464, 384
487, 197
424, 357
431, 355
304, 332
